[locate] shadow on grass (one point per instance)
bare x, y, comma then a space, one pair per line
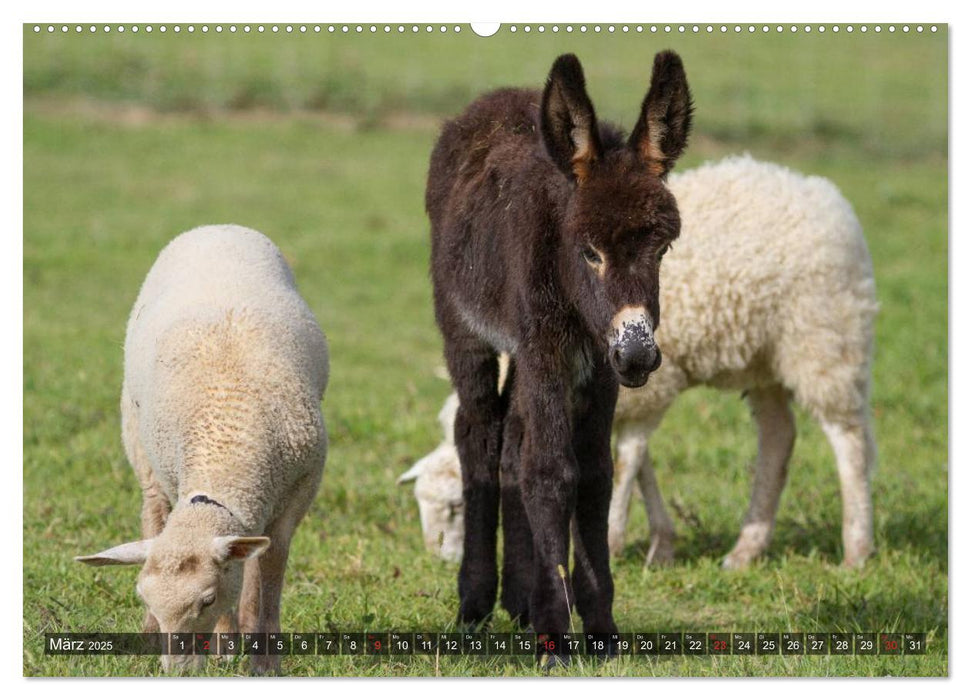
920, 533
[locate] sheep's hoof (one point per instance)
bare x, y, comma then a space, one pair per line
856, 560
150, 625
661, 552
615, 543
266, 665
739, 559
857, 553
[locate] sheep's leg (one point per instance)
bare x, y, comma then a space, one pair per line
155, 504
661, 551
474, 369
517, 538
634, 461
593, 585
273, 566
155, 511
227, 623
249, 597
855, 451
631, 443
777, 434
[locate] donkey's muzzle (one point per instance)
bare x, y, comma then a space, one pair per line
633, 364
633, 352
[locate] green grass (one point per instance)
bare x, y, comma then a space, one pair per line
322, 143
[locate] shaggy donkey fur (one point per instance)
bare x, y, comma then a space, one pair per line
547, 234
769, 292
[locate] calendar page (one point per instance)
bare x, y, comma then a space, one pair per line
524, 349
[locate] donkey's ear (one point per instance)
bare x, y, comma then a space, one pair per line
567, 119
662, 130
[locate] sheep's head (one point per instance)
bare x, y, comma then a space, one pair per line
438, 490
189, 577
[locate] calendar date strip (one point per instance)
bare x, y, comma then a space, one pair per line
399, 644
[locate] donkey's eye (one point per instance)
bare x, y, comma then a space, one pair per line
209, 600
662, 251
592, 256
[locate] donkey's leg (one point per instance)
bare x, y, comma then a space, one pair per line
855, 450
593, 585
474, 369
548, 479
777, 434
517, 538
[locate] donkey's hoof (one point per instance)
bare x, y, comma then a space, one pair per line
549, 662
473, 618
518, 608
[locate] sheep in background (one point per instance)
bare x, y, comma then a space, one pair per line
438, 489
768, 291
225, 368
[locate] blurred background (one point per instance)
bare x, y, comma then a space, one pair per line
321, 141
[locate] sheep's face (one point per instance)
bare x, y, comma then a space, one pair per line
438, 490
186, 582
443, 526
189, 589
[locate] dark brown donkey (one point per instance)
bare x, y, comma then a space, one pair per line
547, 234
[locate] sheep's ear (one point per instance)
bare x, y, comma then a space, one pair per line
567, 120
416, 470
128, 553
231, 547
662, 130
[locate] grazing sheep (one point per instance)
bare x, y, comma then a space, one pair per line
225, 368
438, 489
769, 291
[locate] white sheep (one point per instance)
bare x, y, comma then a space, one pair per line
768, 291
438, 489
225, 368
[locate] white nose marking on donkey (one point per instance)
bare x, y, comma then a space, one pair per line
631, 316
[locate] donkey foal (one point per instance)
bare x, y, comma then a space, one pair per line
547, 234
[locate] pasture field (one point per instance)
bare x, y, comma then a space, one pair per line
322, 142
